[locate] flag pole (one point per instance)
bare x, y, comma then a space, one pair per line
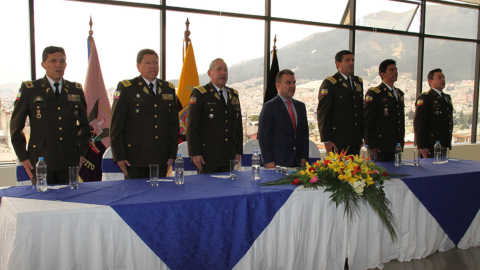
186, 39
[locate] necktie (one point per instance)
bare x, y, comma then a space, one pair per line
292, 115
222, 99
151, 89
444, 97
350, 83
57, 93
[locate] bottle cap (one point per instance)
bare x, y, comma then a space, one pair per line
179, 155
366, 145
40, 159
255, 152
398, 143
438, 141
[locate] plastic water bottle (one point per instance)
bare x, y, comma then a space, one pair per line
41, 174
364, 152
255, 166
179, 177
437, 153
398, 155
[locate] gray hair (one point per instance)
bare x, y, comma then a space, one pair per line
213, 63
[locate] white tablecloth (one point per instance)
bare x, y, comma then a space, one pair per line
306, 233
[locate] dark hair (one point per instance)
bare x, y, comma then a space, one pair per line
340, 54
50, 50
384, 65
143, 52
278, 78
432, 72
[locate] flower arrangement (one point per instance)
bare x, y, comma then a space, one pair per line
352, 180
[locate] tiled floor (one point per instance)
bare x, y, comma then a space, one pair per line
454, 259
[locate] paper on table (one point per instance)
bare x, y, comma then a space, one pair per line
221, 176
57, 186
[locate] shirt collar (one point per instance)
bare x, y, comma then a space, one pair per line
344, 76
148, 82
60, 83
391, 89
438, 91
218, 89
284, 99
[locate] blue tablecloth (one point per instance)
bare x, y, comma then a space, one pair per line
450, 192
208, 223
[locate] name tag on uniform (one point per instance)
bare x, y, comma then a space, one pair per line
167, 96
38, 98
72, 97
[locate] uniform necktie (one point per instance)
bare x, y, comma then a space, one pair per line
151, 89
350, 83
444, 97
57, 92
292, 115
222, 98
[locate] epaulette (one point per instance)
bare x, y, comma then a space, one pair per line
235, 91
171, 85
360, 79
424, 93
201, 89
401, 92
376, 90
126, 83
78, 85
28, 84
331, 79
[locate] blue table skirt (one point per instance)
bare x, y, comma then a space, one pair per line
450, 192
208, 223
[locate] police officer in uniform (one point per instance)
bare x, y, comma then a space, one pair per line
144, 128
340, 107
214, 123
385, 114
432, 121
59, 129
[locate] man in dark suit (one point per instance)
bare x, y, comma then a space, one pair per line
283, 127
59, 129
145, 126
432, 121
385, 114
214, 123
340, 107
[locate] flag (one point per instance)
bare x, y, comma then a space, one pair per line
188, 80
99, 114
271, 90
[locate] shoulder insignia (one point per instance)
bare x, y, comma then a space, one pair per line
424, 93
376, 90
400, 91
360, 79
171, 85
201, 89
28, 84
235, 91
331, 79
78, 85
420, 102
368, 98
126, 83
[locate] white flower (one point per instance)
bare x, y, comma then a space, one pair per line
358, 186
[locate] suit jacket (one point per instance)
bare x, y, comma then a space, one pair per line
340, 111
278, 140
384, 118
59, 129
213, 130
144, 129
433, 120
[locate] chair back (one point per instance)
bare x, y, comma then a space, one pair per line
248, 148
22, 176
188, 167
313, 152
110, 169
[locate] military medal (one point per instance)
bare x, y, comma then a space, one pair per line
138, 95
75, 113
137, 110
211, 115
386, 112
39, 116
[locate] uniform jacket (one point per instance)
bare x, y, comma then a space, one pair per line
278, 140
340, 111
213, 130
59, 129
144, 130
433, 120
384, 118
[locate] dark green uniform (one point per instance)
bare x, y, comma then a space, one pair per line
59, 129
384, 121
340, 113
433, 120
213, 130
144, 130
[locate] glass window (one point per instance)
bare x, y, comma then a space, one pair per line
307, 10
309, 51
221, 37
446, 20
457, 60
119, 32
371, 49
253, 7
388, 15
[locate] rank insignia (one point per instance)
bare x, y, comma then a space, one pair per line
29, 84
324, 92
217, 96
193, 100
38, 98
73, 97
390, 94
116, 95
211, 115
235, 101
145, 90
167, 96
78, 85
126, 83
345, 85
47, 90
368, 99
419, 102
19, 95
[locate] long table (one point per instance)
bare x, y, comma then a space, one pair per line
222, 224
